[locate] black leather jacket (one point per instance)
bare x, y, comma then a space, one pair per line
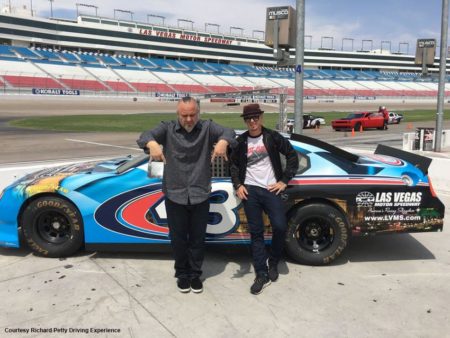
275, 144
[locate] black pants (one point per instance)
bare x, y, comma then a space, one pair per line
259, 200
187, 225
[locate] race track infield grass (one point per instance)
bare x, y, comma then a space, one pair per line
140, 122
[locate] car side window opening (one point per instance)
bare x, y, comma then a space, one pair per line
303, 162
221, 168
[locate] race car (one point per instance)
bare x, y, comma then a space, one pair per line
358, 121
119, 205
395, 118
309, 121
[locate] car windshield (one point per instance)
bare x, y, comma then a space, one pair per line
355, 115
132, 162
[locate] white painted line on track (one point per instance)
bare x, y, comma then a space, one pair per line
40, 165
101, 144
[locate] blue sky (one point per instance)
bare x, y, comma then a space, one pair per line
397, 21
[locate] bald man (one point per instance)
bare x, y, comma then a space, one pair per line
189, 146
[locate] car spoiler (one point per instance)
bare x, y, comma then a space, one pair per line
326, 146
420, 162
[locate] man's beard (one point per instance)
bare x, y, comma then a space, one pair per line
188, 128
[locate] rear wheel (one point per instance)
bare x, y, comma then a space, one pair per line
317, 234
357, 126
52, 227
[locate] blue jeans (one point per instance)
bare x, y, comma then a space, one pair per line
259, 200
187, 226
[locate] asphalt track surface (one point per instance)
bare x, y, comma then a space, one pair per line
22, 145
383, 286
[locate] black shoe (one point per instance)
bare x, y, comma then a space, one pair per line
184, 285
196, 285
273, 270
260, 283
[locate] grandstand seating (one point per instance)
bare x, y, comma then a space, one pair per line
108, 60
146, 63
119, 86
6, 51
70, 57
46, 68
84, 84
127, 62
47, 55
31, 82
26, 53
88, 58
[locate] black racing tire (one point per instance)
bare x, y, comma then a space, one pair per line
317, 234
52, 227
317, 125
357, 126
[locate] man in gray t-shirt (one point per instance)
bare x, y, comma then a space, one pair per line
189, 146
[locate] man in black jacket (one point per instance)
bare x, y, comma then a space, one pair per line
259, 178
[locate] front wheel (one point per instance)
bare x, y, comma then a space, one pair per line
52, 227
317, 234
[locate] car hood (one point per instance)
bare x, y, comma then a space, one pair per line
57, 179
344, 119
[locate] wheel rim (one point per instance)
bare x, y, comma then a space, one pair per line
315, 234
53, 227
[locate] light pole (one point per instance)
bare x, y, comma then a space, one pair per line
207, 24
310, 40
156, 16
299, 66
404, 44
442, 74
185, 20
123, 11
326, 38
86, 5
258, 31
51, 7
362, 45
346, 39
237, 28
385, 42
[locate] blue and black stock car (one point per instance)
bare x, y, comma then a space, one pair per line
116, 205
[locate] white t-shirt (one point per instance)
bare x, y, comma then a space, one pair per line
259, 167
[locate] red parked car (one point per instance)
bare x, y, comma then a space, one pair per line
357, 120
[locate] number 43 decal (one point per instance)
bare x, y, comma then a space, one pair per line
223, 210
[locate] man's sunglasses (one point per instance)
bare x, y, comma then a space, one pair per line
254, 118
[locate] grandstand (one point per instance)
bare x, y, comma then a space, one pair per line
115, 57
